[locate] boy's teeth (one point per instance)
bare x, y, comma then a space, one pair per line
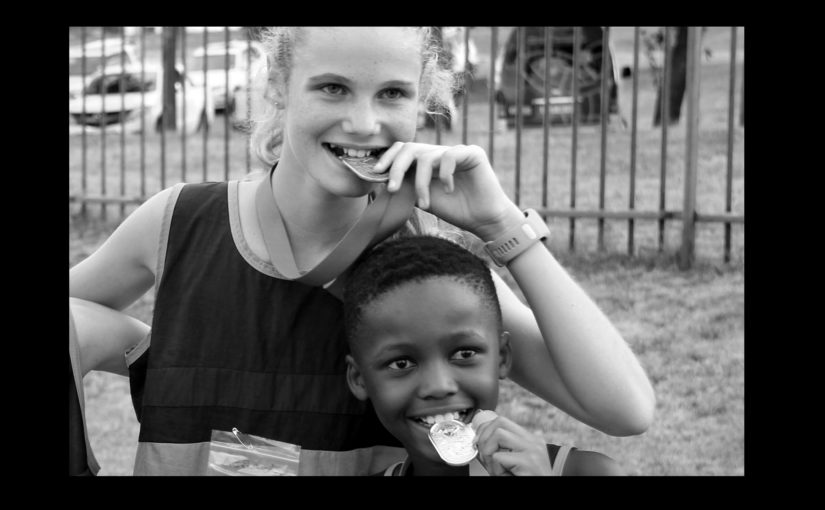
431, 420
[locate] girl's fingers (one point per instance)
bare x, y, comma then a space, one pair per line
424, 174
385, 160
401, 162
446, 170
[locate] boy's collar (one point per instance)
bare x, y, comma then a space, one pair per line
476, 469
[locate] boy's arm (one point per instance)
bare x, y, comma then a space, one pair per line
104, 335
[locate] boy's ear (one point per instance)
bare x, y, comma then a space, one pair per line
504, 354
354, 379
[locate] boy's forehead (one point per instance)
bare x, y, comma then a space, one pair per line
436, 309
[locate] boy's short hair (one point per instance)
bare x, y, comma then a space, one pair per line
410, 259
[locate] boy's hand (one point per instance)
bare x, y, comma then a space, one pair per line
506, 448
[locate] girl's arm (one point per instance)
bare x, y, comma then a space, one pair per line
123, 268
103, 336
566, 350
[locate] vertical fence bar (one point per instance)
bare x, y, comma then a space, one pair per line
205, 92
604, 113
103, 120
226, 105
664, 118
742, 98
633, 120
143, 112
491, 90
183, 95
574, 149
466, 97
548, 51
520, 38
731, 103
123, 119
248, 95
692, 147
83, 183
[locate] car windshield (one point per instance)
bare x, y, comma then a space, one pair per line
212, 62
94, 63
124, 82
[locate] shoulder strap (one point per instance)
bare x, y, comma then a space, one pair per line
382, 216
561, 459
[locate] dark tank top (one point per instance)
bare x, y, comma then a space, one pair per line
232, 347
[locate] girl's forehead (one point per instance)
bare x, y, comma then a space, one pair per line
359, 48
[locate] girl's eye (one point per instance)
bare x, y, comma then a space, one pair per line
333, 89
401, 364
463, 354
394, 94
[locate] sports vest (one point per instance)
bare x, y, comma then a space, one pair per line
233, 347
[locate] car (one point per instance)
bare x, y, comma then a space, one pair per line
244, 59
560, 109
95, 55
100, 103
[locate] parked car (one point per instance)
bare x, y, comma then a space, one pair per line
560, 109
100, 103
244, 59
99, 53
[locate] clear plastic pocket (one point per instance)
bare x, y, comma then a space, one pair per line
233, 453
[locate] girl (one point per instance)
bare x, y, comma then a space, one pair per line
237, 342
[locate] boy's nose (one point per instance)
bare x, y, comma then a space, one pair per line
437, 382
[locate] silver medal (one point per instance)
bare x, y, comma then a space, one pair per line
365, 168
453, 440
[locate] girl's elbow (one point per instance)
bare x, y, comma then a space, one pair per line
639, 420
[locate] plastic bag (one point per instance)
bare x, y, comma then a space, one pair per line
237, 454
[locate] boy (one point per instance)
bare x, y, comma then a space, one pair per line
426, 340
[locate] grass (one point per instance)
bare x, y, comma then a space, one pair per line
686, 327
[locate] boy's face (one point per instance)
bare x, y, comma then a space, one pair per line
425, 349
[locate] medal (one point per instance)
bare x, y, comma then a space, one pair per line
364, 168
453, 440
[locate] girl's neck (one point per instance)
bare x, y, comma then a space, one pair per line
311, 212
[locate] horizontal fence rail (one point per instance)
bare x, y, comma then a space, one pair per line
561, 127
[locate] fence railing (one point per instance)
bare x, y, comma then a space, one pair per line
549, 126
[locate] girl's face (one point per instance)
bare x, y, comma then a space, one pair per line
353, 89
425, 349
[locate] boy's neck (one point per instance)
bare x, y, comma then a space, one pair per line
425, 467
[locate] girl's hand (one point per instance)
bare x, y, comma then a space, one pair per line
506, 448
456, 183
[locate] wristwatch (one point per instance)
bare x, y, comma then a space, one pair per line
520, 237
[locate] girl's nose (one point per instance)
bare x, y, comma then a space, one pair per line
361, 121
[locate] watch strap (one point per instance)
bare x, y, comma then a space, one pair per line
518, 238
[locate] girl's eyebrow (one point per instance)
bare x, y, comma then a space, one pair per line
325, 77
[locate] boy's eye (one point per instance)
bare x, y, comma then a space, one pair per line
401, 364
333, 89
463, 354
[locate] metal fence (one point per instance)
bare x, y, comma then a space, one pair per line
216, 147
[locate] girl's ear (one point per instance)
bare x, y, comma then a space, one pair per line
504, 354
354, 379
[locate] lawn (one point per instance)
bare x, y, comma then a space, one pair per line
687, 327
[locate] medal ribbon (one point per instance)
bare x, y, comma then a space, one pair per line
383, 216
